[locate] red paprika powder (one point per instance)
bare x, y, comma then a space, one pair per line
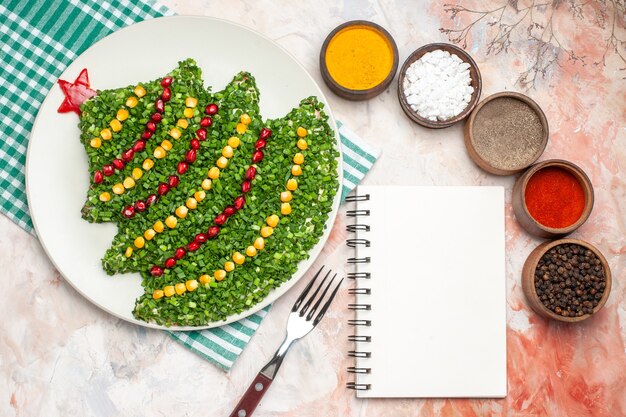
554, 197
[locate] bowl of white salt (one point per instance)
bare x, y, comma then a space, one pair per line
439, 85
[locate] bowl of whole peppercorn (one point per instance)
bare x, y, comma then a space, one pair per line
566, 280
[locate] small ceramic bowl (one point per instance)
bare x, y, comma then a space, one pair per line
528, 280
476, 82
347, 93
520, 209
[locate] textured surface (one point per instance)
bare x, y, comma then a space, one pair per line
60, 356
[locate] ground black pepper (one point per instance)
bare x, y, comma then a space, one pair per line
570, 280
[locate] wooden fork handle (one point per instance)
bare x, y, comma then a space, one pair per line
252, 397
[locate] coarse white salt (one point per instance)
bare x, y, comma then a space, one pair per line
438, 85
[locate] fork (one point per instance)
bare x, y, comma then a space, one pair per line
301, 321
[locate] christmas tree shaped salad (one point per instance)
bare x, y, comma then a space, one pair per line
215, 206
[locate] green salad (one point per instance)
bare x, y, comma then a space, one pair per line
215, 205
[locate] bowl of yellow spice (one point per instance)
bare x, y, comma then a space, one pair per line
358, 60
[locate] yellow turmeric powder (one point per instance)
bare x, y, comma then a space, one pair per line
359, 57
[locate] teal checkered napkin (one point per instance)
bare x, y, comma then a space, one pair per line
38, 39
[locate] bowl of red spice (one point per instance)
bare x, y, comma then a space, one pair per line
552, 198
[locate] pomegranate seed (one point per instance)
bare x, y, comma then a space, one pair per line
260, 144
245, 186
193, 246
163, 189
166, 82
139, 146
128, 155
159, 105
151, 126
156, 271
118, 164
156, 117
200, 238
169, 263
140, 206
239, 202
206, 122
229, 211
201, 134
211, 109
179, 253
173, 181
128, 212
191, 156
108, 170
166, 95
257, 157
194, 144
265, 133
97, 177
146, 135
212, 232
250, 173
151, 199
182, 167
220, 219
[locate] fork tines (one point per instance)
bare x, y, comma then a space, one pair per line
313, 296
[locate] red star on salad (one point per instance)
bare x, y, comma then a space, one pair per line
76, 93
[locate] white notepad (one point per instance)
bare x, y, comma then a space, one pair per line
437, 323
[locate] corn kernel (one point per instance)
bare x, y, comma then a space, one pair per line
267, 231
158, 226
169, 291
245, 119
149, 234
105, 197
140, 91
191, 203
298, 159
233, 142
131, 102
129, 182
171, 222
292, 184
188, 113
191, 285
301, 132
115, 125
219, 275
181, 212
285, 209
106, 134
302, 144
222, 162
122, 114
139, 242
296, 170
191, 102
159, 152
95, 143
147, 164
227, 152
214, 173
272, 221
251, 251
259, 243
204, 279
167, 145
128, 252
175, 133
180, 288
241, 128
285, 196
158, 294
182, 123
238, 258
207, 184
229, 266
199, 195
118, 188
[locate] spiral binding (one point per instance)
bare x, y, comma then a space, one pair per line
353, 243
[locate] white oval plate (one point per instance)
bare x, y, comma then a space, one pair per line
57, 169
